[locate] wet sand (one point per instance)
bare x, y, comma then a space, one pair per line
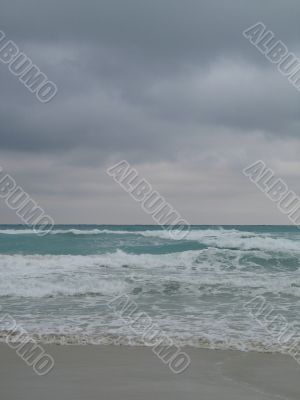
125, 373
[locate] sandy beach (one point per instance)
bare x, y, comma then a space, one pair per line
112, 372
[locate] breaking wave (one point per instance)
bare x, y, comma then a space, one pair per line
194, 289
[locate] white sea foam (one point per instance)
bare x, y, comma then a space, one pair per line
204, 332
231, 238
211, 269
205, 342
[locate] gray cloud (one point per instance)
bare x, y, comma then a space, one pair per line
168, 85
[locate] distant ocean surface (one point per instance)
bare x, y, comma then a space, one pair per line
57, 287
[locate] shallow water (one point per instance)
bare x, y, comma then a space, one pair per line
58, 286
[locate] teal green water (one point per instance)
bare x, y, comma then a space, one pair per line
58, 286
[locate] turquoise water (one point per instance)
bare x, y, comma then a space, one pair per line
58, 286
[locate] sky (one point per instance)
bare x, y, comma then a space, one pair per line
170, 86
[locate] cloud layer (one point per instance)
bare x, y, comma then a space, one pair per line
171, 86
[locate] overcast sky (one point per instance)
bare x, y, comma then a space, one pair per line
172, 86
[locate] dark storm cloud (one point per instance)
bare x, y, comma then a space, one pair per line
166, 84
127, 70
158, 27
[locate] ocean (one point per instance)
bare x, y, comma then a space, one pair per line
58, 287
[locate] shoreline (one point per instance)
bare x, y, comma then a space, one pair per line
124, 372
115, 341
